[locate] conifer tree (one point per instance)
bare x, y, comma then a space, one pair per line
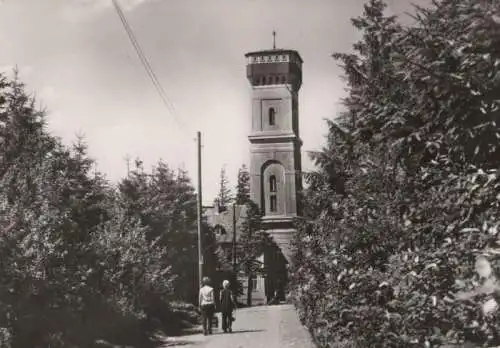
407, 181
251, 245
54, 209
79, 260
243, 186
224, 197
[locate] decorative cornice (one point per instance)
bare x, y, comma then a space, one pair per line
285, 86
278, 222
274, 139
275, 58
280, 55
277, 218
272, 136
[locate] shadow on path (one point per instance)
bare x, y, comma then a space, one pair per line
235, 332
180, 344
243, 331
259, 327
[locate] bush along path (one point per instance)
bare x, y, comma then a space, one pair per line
406, 197
83, 261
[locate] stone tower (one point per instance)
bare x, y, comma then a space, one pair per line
275, 158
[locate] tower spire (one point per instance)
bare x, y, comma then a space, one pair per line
274, 39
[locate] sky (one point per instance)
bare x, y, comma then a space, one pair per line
76, 57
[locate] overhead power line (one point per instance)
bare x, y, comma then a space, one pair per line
147, 66
165, 100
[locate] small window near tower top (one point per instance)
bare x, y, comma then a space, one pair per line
272, 116
272, 183
273, 206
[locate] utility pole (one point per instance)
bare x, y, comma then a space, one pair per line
234, 238
200, 212
249, 269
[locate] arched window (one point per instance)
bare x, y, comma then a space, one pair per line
273, 204
272, 117
263, 80
277, 80
273, 200
283, 79
272, 183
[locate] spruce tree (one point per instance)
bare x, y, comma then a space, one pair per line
54, 209
243, 186
407, 181
252, 243
224, 197
80, 260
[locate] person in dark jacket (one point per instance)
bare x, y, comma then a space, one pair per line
227, 305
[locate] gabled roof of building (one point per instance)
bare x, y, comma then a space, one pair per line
223, 222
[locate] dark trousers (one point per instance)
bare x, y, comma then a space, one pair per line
207, 315
227, 321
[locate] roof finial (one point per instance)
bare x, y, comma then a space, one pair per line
274, 40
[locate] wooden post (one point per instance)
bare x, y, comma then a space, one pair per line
249, 268
200, 213
234, 238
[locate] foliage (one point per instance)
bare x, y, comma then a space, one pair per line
165, 202
80, 260
224, 197
407, 190
252, 238
252, 243
212, 258
243, 186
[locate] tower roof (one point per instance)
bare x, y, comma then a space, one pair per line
274, 51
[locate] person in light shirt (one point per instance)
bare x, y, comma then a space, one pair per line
207, 305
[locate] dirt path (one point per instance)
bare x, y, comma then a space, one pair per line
257, 327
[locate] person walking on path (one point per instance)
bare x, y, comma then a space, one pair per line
227, 305
207, 305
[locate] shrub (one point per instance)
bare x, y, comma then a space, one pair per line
80, 260
407, 191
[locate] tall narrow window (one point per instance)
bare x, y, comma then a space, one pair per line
272, 116
272, 183
273, 206
283, 79
263, 80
